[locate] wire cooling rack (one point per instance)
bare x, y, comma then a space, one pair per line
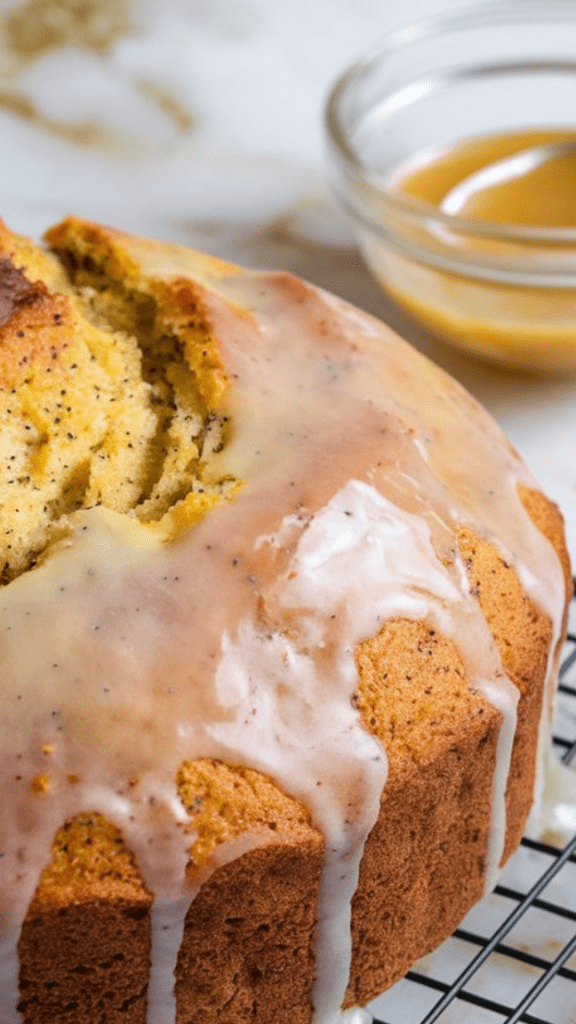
514, 957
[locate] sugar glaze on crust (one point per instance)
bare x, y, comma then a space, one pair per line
365, 472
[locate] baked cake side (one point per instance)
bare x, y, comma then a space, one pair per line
286, 632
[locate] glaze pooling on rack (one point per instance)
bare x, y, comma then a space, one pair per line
355, 489
354, 1016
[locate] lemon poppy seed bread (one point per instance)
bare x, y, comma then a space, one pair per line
280, 621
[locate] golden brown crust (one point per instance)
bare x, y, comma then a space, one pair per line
85, 958
440, 738
523, 635
547, 517
129, 258
36, 324
85, 945
247, 953
414, 695
226, 801
410, 894
92, 903
90, 237
28, 255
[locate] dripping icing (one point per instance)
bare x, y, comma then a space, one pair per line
399, 453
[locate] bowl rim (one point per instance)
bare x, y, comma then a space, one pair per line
492, 13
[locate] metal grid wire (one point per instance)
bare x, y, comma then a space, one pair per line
510, 961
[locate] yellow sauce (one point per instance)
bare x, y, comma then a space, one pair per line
522, 323
545, 197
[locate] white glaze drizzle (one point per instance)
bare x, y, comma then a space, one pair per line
359, 562
315, 419
553, 818
356, 1015
541, 806
168, 917
504, 696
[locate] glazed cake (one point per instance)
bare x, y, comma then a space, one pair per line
281, 616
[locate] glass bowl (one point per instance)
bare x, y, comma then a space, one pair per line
503, 291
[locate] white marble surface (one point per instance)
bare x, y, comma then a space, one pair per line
202, 122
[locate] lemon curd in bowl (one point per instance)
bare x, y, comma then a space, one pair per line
408, 125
